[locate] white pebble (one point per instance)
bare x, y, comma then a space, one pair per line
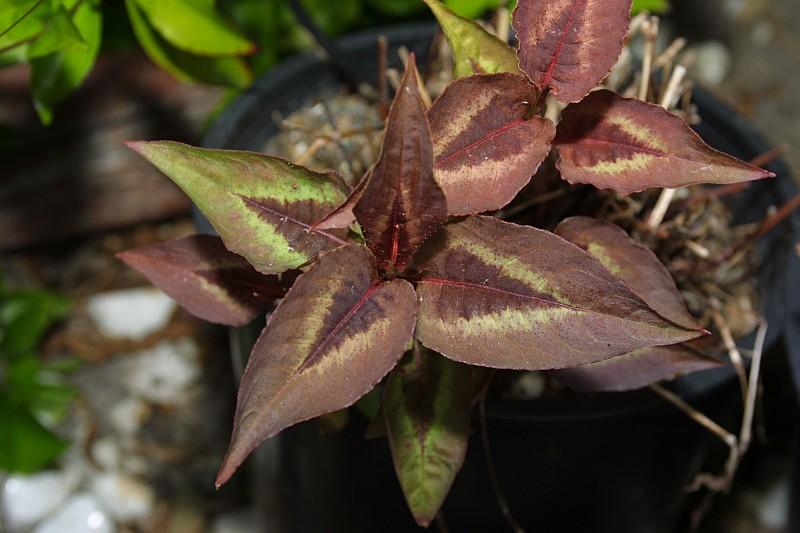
132, 314
80, 514
125, 498
162, 374
28, 499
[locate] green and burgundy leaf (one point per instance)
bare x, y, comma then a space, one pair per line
486, 147
427, 404
491, 293
402, 205
207, 280
263, 207
631, 262
636, 369
569, 46
338, 331
475, 50
628, 145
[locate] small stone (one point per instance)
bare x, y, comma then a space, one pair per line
125, 498
527, 386
244, 521
106, 454
132, 313
162, 374
28, 499
80, 514
128, 415
712, 62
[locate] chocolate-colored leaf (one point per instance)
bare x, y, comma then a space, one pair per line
427, 408
631, 262
338, 331
475, 50
629, 145
485, 146
208, 280
402, 205
263, 207
506, 296
636, 369
569, 46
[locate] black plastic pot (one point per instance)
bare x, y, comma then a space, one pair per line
607, 463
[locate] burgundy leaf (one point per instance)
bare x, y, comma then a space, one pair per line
631, 262
337, 332
636, 369
402, 205
569, 46
343, 216
496, 294
207, 280
485, 145
629, 145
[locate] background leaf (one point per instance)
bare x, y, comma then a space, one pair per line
207, 280
427, 409
628, 145
402, 205
337, 333
25, 316
569, 46
485, 146
263, 207
475, 51
496, 294
58, 34
25, 445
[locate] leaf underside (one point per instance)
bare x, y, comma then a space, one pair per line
633, 263
569, 46
636, 369
475, 50
427, 409
628, 145
496, 294
207, 280
338, 331
485, 146
263, 207
402, 205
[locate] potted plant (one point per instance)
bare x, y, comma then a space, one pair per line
401, 275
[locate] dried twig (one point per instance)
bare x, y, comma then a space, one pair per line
730, 345
727, 437
650, 29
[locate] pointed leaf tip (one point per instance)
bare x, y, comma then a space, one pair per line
337, 333
402, 205
628, 145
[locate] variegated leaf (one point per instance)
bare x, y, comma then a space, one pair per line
402, 205
629, 145
427, 408
338, 331
569, 46
263, 207
207, 280
485, 145
631, 262
636, 369
475, 50
496, 294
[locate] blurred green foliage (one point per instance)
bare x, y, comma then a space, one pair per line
224, 42
33, 394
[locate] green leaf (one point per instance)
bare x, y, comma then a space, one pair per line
195, 27
475, 50
186, 67
337, 333
41, 390
22, 20
472, 8
427, 409
25, 316
55, 76
397, 8
25, 445
334, 17
264, 208
653, 6
60, 35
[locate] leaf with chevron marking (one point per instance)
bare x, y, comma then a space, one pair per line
491, 293
338, 331
485, 145
633, 263
475, 50
207, 280
629, 145
402, 205
569, 46
427, 404
636, 369
263, 207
